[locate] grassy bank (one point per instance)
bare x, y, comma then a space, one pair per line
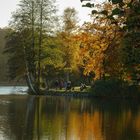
75, 92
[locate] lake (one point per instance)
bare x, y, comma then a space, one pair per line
26, 117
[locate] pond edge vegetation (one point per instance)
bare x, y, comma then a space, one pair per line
101, 89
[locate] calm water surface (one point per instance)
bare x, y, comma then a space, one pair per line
24, 117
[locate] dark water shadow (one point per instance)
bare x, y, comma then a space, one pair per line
54, 118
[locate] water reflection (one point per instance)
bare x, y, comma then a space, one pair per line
64, 118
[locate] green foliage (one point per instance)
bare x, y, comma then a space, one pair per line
14, 47
107, 87
117, 11
3, 57
131, 55
131, 41
32, 23
130, 48
53, 57
68, 44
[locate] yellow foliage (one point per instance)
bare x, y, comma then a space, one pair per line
98, 40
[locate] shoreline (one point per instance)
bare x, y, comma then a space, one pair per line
68, 93
73, 94
83, 94
78, 93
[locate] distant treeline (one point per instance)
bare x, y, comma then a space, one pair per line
4, 78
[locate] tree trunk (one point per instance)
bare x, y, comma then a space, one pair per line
40, 46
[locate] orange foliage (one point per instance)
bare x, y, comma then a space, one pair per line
99, 47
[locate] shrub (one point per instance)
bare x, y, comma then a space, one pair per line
114, 88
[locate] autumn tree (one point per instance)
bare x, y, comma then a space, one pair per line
69, 45
100, 45
125, 14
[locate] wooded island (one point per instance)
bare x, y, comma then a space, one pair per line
40, 47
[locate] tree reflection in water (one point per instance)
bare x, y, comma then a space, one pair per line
67, 118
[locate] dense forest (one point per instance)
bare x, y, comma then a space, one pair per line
43, 47
4, 70
3, 59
